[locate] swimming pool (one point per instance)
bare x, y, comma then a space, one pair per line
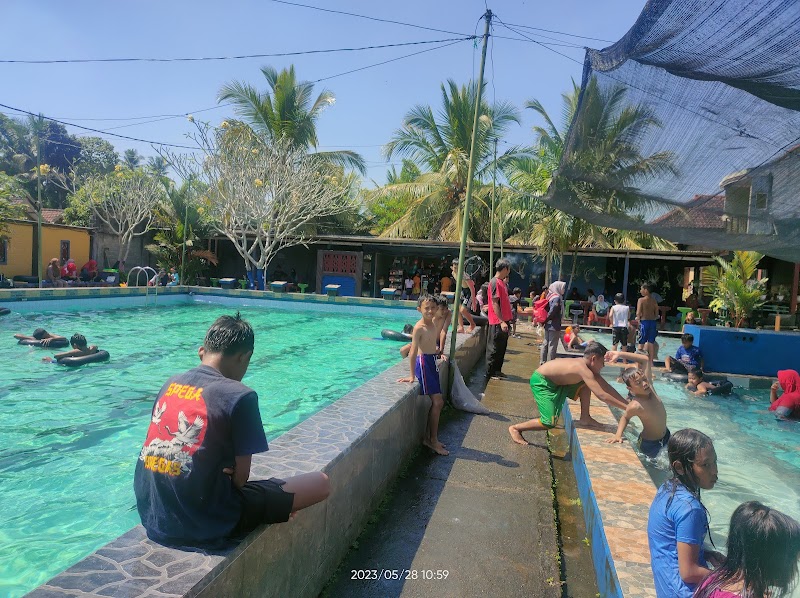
70, 438
759, 457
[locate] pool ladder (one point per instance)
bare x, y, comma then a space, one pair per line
147, 278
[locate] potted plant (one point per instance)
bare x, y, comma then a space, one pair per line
733, 288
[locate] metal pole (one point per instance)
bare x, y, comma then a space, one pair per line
39, 200
465, 224
491, 217
183, 251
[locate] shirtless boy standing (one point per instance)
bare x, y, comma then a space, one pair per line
647, 314
568, 378
422, 359
644, 404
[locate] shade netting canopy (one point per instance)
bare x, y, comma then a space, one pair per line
689, 128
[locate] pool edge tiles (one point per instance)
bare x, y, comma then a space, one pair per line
360, 441
615, 492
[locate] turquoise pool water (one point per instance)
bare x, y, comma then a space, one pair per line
70, 437
759, 457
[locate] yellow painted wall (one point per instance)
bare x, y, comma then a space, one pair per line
21, 250
20, 242
51, 244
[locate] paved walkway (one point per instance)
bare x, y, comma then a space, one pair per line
483, 515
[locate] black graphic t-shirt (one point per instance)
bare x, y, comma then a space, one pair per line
200, 422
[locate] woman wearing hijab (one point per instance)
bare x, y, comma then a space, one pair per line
89, 271
599, 311
552, 324
788, 404
53, 274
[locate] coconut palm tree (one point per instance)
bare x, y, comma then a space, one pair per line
439, 144
289, 111
131, 159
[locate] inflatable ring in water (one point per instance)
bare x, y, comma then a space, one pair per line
721, 388
395, 336
54, 344
4, 311
74, 362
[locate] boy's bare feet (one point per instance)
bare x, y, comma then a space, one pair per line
460, 330
439, 450
589, 422
471, 328
516, 436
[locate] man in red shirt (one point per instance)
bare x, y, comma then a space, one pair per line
499, 316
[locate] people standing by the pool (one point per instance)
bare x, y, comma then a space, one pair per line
192, 479
678, 521
483, 299
620, 315
516, 306
788, 404
763, 549
469, 301
422, 361
644, 403
568, 378
499, 315
53, 274
647, 314
408, 285
552, 324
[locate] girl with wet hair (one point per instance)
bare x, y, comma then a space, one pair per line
678, 521
763, 548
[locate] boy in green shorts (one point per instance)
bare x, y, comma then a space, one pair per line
568, 378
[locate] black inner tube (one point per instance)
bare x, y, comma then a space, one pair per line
721, 388
393, 335
84, 359
4, 311
55, 343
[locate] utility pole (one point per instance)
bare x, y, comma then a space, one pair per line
39, 200
491, 216
465, 224
185, 232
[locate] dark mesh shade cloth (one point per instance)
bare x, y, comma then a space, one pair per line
689, 128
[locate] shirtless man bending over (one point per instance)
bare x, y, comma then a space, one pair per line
568, 378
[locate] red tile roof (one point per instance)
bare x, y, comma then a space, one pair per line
702, 211
52, 215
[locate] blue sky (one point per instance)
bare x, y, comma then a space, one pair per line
370, 104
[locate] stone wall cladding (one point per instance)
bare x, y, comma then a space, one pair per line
360, 441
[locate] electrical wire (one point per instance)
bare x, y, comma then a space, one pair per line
597, 39
218, 58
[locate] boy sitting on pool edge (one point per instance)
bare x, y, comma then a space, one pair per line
192, 478
687, 357
560, 379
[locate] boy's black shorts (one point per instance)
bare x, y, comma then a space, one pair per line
619, 334
263, 501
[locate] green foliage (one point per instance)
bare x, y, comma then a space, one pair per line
97, 157
9, 189
287, 112
732, 286
79, 208
131, 159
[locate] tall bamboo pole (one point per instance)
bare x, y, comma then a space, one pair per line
39, 201
491, 220
465, 218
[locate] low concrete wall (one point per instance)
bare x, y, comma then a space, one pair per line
360, 441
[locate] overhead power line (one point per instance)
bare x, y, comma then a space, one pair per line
241, 57
597, 39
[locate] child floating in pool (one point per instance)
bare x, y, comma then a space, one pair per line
40, 334
644, 404
687, 357
568, 378
788, 404
80, 348
763, 548
192, 479
425, 348
696, 384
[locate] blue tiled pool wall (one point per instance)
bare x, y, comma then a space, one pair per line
604, 570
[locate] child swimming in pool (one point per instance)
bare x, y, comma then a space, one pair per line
80, 347
40, 334
422, 360
697, 385
644, 404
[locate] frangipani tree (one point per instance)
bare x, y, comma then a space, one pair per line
125, 202
262, 194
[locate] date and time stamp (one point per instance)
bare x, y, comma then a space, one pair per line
399, 574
